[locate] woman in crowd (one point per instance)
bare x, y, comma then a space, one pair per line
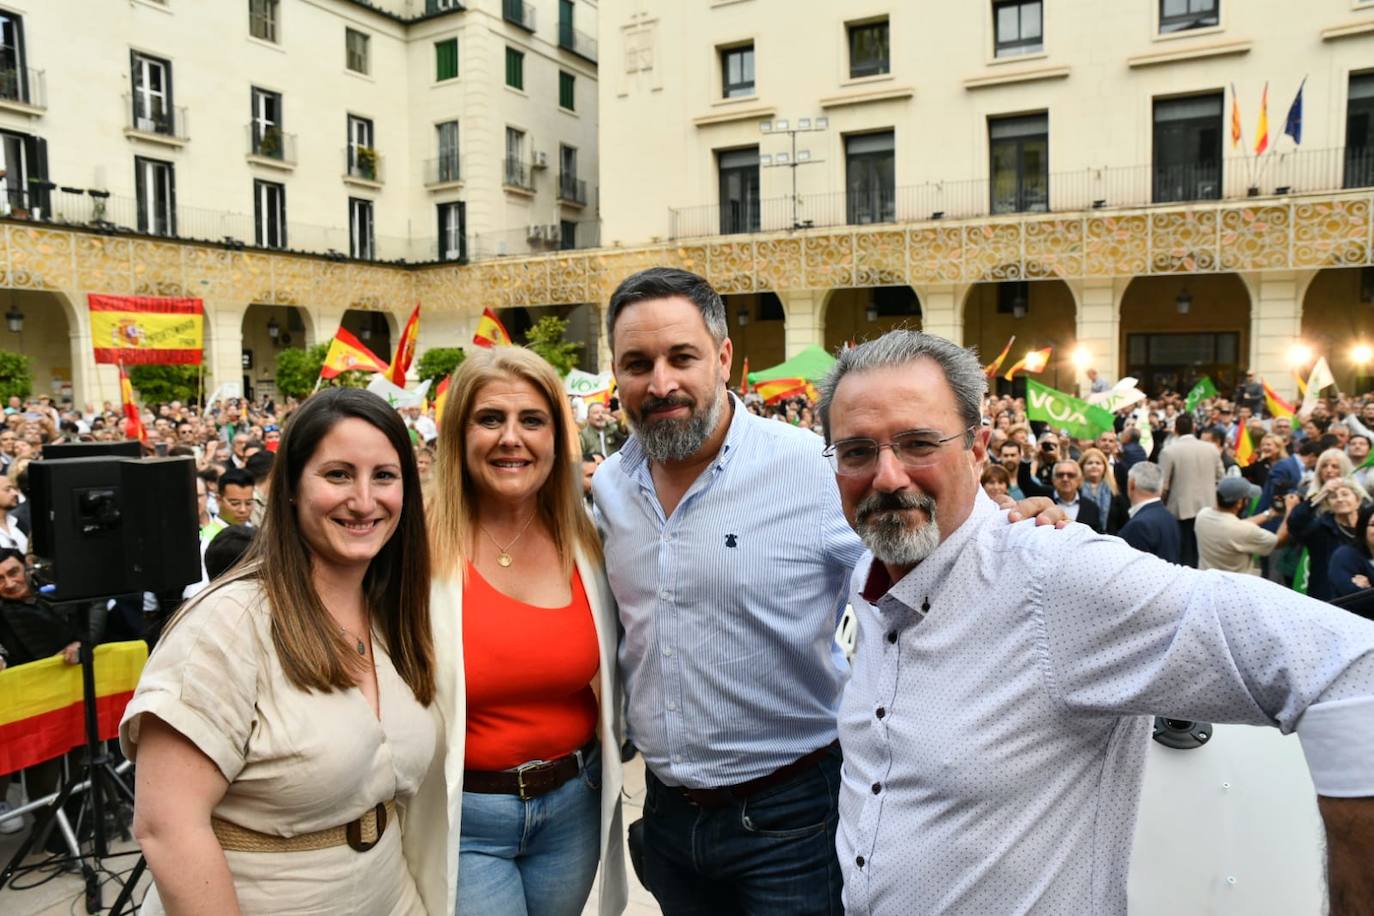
996, 481
1352, 565
525, 640
1099, 486
1323, 523
1332, 464
285, 721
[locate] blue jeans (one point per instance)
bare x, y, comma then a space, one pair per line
771, 853
531, 858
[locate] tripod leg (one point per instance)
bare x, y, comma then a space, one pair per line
126, 895
42, 827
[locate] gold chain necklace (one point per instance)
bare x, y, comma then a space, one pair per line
503, 557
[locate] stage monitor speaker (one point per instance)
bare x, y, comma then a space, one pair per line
127, 448
110, 526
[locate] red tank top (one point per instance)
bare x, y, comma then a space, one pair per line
529, 672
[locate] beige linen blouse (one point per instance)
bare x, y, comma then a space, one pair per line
296, 761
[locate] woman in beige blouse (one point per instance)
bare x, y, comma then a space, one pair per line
285, 719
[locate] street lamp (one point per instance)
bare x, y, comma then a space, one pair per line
273, 329
1361, 354
1184, 302
1082, 357
15, 319
1035, 361
1299, 354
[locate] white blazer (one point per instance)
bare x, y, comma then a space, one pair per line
432, 822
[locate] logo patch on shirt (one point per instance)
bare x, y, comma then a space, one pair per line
730, 540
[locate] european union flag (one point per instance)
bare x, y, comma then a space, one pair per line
1293, 125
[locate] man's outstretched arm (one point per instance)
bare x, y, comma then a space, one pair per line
1349, 854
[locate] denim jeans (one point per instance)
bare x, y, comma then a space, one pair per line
535, 857
771, 853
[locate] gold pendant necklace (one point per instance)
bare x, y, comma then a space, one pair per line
503, 556
358, 644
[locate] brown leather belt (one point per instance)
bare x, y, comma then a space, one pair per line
361, 834
529, 780
727, 795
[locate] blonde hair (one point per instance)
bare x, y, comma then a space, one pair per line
1107, 476
1347, 475
455, 509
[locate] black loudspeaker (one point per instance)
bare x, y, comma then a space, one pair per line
124, 448
108, 526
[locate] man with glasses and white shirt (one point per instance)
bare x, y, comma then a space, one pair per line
996, 719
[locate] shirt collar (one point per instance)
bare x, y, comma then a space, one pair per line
1138, 506
633, 461
914, 589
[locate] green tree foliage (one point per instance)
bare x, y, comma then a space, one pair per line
158, 384
438, 362
546, 339
16, 378
298, 369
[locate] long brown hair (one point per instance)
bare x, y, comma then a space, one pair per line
314, 654
455, 508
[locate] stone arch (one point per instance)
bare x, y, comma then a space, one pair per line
858, 313
1338, 317
1169, 346
294, 329
584, 326
1038, 313
758, 329
376, 329
51, 335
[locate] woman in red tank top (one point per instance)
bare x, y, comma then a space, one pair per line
525, 644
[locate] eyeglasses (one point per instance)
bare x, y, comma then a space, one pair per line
1068, 475
916, 449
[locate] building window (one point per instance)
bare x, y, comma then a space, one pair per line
362, 243
570, 188
362, 155
739, 190
23, 159
1181, 15
567, 90
14, 81
515, 68
266, 124
1020, 27
1359, 132
737, 71
1018, 156
269, 211
869, 49
870, 178
355, 51
262, 19
1174, 361
567, 235
1187, 148
448, 163
155, 188
517, 172
453, 229
152, 81
446, 59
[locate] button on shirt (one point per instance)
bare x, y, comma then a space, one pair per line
729, 607
996, 720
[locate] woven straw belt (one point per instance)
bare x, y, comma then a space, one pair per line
361, 834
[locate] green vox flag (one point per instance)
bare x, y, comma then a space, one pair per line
1203, 389
1062, 411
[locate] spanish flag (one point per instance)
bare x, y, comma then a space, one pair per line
780, 389
1277, 406
134, 426
41, 706
146, 329
1237, 135
1262, 132
744, 377
490, 331
601, 397
441, 399
1245, 449
405, 350
990, 370
1034, 362
347, 352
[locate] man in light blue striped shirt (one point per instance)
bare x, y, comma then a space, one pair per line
729, 556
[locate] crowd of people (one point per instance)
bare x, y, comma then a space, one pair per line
422, 645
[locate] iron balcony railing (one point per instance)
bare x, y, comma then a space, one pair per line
25, 85
518, 13
535, 239
443, 169
572, 189
519, 174
363, 162
1104, 188
153, 116
271, 142
579, 43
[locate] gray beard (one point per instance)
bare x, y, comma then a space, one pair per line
678, 440
892, 541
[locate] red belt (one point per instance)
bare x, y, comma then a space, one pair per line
726, 795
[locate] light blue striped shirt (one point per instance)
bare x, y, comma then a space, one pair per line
997, 718
729, 606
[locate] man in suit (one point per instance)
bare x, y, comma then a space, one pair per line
1068, 477
1132, 452
1152, 528
1192, 469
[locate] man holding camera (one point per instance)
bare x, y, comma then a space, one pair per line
1227, 541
